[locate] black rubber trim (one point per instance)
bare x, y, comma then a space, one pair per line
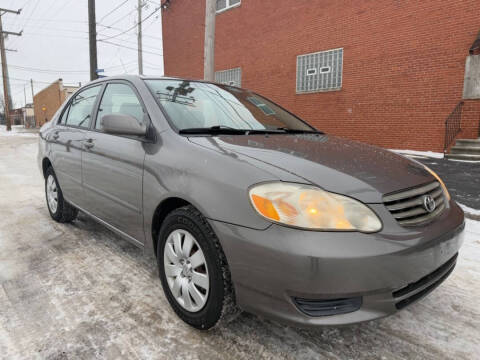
404, 303
426, 279
328, 307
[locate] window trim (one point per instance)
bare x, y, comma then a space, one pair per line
64, 111
227, 7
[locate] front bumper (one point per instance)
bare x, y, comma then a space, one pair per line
273, 267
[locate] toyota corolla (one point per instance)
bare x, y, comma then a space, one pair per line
246, 206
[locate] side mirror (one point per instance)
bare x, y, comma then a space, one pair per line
122, 124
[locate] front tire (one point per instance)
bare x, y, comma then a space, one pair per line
59, 209
193, 269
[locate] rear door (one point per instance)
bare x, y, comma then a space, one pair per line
67, 146
113, 164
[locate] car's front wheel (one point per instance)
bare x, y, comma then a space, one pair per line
59, 209
193, 269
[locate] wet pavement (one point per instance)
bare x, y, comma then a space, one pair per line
462, 179
78, 291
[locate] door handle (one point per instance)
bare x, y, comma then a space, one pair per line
55, 136
89, 144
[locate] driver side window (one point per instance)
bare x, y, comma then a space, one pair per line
119, 99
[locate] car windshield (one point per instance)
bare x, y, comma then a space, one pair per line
200, 106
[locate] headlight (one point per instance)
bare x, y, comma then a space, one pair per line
312, 208
445, 191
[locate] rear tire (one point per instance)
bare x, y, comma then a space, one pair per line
218, 301
59, 209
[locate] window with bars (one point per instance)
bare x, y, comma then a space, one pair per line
223, 5
320, 71
229, 77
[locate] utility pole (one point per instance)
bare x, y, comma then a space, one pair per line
92, 36
24, 106
209, 51
6, 86
33, 103
139, 35
31, 85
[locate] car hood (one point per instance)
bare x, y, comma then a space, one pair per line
355, 169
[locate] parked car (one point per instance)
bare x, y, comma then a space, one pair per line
247, 206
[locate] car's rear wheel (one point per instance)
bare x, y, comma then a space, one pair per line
59, 209
193, 269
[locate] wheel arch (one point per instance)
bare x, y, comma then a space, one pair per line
165, 207
46, 163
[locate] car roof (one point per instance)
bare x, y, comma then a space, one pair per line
135, 78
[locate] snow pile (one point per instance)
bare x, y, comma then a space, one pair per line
469, 210
420, 154
17, 130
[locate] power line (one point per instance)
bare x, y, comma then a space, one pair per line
26, 80
123, 17
131, 28
127, 47
26, 68
47, 71
31, 13
119, 29
53, 20
113, 10
81, 38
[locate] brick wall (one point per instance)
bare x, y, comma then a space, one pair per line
49, 99
403, 60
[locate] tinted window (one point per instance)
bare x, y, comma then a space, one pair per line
192, 104
119, 99
81, 107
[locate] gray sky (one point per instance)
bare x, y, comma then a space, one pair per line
54, 43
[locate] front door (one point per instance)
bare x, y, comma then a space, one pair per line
67, 142
113, 165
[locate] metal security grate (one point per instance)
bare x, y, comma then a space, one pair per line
229, 77
407, 207
223, 5
321, 71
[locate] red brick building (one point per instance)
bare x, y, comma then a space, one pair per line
387, 72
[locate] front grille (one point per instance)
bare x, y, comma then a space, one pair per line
422, 287
407, 206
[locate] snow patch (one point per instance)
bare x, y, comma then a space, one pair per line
469, 210
17, 130
421, 154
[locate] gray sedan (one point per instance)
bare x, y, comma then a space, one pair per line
246, 206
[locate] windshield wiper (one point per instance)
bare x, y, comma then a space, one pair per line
297, 131
227, 130
217, 129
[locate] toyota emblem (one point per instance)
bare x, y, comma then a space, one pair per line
429, 203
